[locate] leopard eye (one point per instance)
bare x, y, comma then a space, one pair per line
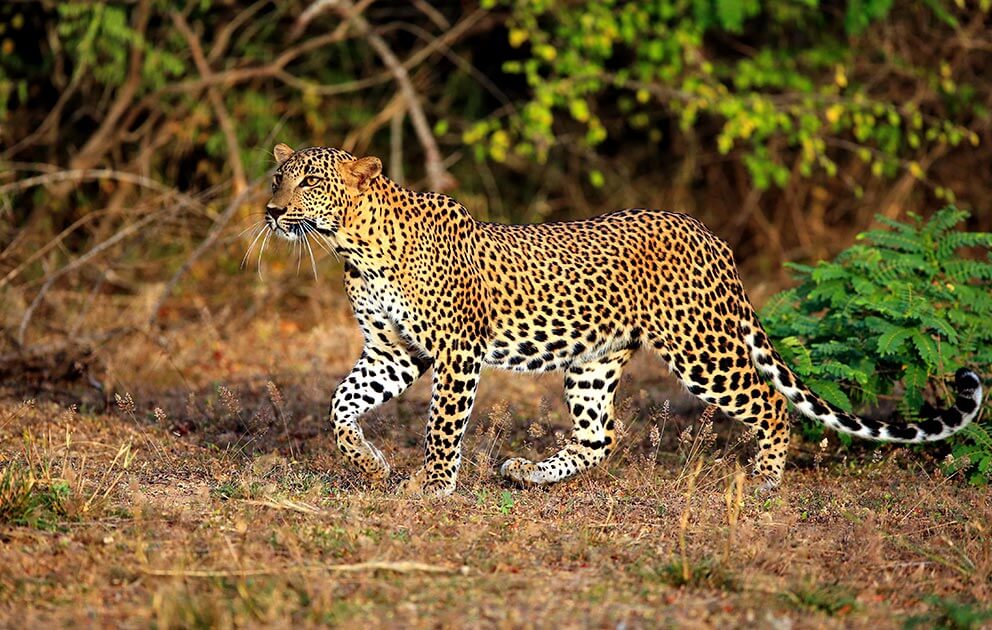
276, 180
311, 180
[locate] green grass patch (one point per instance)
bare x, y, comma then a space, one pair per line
828, 599
948, 613
26, 501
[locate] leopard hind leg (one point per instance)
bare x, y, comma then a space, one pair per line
590, 389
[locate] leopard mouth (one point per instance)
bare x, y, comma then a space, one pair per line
297, 230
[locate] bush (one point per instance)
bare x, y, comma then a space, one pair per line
792, 104
905, 307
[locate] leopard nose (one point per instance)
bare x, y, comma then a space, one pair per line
274, 211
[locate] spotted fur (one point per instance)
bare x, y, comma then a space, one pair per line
432, 287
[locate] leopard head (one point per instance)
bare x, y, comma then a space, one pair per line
312, 189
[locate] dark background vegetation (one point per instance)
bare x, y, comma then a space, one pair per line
162, 432
786, 126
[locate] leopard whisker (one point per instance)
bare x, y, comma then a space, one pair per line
261, 252
298, 245
251, 246
329, 245
319, 238
313, 262
251, 227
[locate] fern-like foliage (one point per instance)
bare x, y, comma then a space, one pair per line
907, 305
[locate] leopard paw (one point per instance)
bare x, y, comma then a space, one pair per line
419, 485
766, 483
521, 470
373, 463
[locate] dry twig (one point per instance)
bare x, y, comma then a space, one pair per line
74, 264
401, 566
208, 242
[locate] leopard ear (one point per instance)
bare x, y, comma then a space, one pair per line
282, 152
358, 174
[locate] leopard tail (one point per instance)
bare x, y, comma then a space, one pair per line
936, 424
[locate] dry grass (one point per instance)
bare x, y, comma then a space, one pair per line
208, 493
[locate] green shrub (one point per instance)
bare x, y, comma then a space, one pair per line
598, 69
899, 311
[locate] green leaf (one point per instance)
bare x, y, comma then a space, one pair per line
894, 240
799, 356
861, 13
825, 271
941, 12
894, 341
830, 392
941, 326
899, 307
730, 13
927, 348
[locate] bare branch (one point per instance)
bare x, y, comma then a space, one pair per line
96, 173
224, 37
432, 14
100, 142
78, 262
13, 273
359, 138
276, 69
220, 110
396, 147
207, 243
442, 45
438, 176
320, 6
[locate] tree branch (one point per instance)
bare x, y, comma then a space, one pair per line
438, 177
207, 243
78, 262
220, 110
99, 143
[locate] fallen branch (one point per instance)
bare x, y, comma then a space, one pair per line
285, 504
402, 566
62, 355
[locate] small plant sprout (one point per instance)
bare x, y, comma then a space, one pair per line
506, 502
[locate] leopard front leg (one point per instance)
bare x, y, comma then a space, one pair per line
456, 378
385, 370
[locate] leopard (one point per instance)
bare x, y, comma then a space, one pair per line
432, 288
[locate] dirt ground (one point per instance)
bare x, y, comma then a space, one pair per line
206, 491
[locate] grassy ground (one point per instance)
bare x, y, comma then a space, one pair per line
210, 494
